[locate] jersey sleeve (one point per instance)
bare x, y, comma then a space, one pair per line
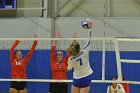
87, 45
12, 50
52, 56
66, 58
28, 56
69, 64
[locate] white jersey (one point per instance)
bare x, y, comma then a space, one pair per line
80, 62
119, 89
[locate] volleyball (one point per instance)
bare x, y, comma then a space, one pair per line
84, 23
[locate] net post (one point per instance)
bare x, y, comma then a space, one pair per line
117, 52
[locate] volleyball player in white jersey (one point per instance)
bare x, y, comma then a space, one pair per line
115, 87
79, 61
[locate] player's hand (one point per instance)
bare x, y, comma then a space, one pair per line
35, 35
18, 41
57, 35
90, 24
75, 35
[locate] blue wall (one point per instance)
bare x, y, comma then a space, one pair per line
39, 68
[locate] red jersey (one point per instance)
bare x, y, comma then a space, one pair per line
126, 87
18, 68
59, 71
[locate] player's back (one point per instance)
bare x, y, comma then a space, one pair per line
80, 61
80, 64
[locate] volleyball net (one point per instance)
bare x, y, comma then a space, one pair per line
109, 57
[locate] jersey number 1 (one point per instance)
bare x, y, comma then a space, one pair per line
80, 60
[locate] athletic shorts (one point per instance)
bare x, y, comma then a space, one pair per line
19, 85
58, 88
82, 82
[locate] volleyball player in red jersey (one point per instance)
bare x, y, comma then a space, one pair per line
59, 69
125, 86
18, 67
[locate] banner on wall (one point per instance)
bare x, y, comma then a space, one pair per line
7, 4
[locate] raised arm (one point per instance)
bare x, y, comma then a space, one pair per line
57, 35
12, 50
88, 41
90, 25
66, 58
52, 54
75, 35
30, 53
69, 64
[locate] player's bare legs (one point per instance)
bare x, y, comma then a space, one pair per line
12, 90
85, 90
75, 89
23, 91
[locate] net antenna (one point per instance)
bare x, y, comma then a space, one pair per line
104, 46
